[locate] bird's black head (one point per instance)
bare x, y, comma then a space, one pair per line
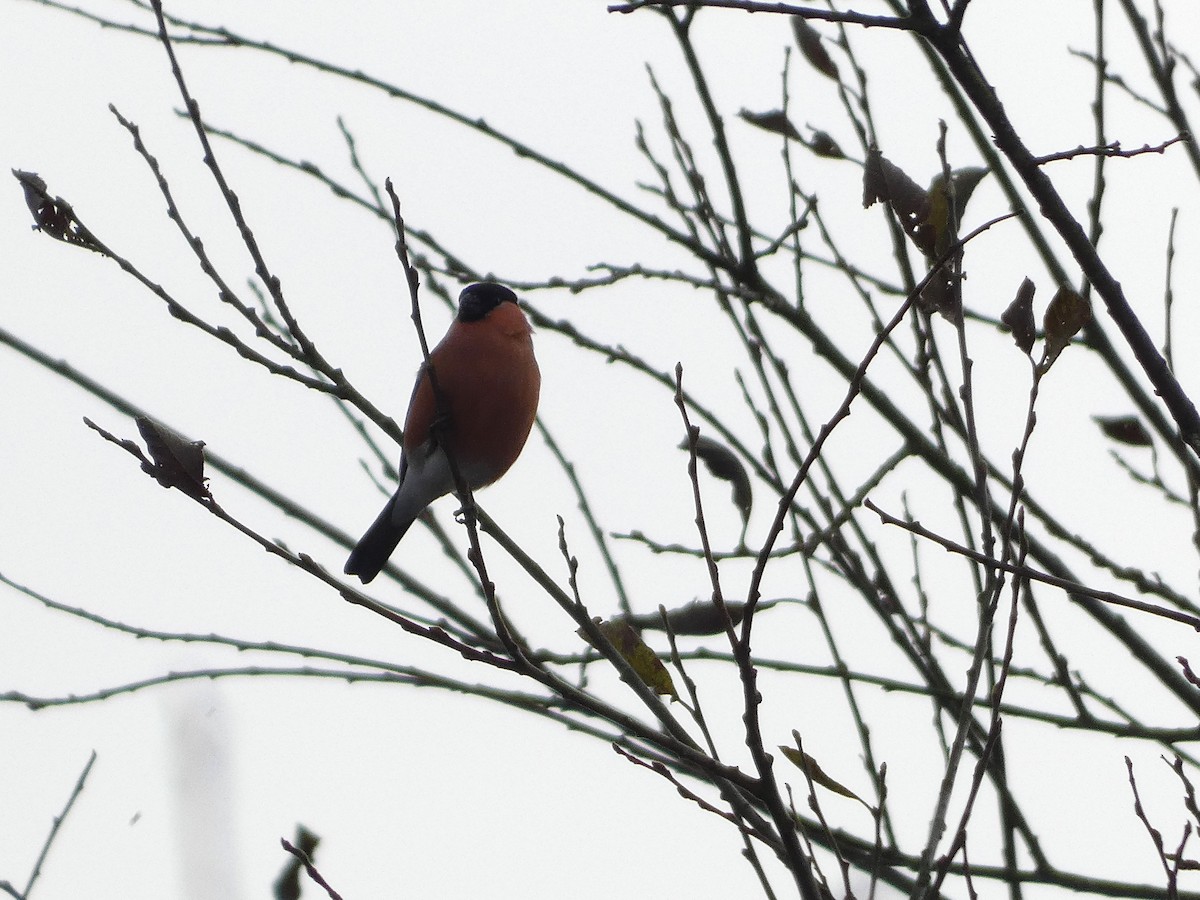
477, 300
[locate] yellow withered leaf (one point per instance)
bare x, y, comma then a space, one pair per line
805, 763
644, 661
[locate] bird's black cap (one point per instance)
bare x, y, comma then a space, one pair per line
477, 300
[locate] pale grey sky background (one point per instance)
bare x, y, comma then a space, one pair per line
421, 793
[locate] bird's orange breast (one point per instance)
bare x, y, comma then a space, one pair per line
489, 382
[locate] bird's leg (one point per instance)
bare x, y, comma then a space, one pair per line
463, 512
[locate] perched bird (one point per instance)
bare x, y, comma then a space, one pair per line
488, 381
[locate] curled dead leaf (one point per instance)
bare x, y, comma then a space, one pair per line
1066, 315
884, 180
54, 215
810, 767
722, 463
1018, 317
1125, 430
812, 48
775, 121
822, 144
176, 461
944, 226
700, 617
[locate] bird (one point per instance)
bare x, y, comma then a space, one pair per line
489, 383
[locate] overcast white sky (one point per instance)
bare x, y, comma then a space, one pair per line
415, 793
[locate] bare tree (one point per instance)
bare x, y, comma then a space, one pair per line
889, 453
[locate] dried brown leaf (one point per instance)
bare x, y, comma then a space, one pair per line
1019, 317
774, 121
722, 463
54, 215
822, 144
177, 462
884, 180
700, 617
1067, 313
808, 39
1125, 430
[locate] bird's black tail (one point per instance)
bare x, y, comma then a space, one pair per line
371, 553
